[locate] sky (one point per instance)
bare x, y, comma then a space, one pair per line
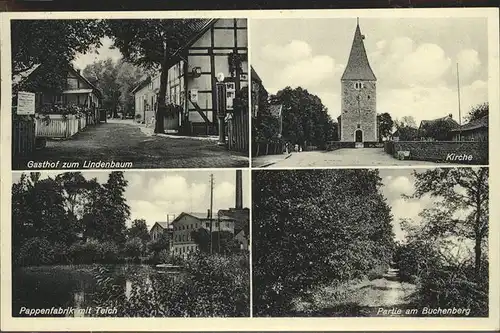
154, 194
102, 53
414, 60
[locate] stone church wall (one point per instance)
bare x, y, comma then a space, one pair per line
350, 115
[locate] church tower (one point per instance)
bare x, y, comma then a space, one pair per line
358, 118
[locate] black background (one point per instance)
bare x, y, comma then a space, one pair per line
127, 5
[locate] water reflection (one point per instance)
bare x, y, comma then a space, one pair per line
73, 287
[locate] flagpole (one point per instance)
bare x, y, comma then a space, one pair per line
459, 110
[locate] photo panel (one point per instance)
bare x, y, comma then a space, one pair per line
129, 93
371, 242
370, 91
130, 244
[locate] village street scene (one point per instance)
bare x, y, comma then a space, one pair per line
170, 93
324, 93
370, 242
117, 244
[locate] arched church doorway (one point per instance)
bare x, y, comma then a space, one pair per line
359, 135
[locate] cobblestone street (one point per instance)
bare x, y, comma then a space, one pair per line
122, 141
365, 157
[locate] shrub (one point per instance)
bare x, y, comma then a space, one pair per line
209, 286
35, 251
85, 252
134, 248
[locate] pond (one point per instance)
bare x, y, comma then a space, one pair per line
71, 287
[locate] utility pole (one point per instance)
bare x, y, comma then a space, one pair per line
211, 208
459, 110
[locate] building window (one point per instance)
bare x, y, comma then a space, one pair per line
359, 126
358, 85
208, 225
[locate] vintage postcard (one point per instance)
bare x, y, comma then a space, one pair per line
370, 91
250, 170
122, 94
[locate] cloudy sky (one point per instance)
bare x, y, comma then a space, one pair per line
102, 53
414, 60
154, 194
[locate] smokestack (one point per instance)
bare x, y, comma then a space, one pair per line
239, 191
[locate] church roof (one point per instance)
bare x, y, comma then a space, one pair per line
358, 67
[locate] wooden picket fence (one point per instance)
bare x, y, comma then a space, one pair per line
237, 132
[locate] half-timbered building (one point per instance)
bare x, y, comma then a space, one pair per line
216, 46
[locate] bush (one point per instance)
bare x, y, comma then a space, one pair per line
134, 248
35, 251
85, 252
209, 286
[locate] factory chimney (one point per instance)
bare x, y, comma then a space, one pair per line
239, 190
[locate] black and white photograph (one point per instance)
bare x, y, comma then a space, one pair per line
131, 244
136, 93
369, 91
370, 242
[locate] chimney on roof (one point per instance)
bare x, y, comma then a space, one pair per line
239, 190
208, 213
451, 116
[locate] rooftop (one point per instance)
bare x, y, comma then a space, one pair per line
474, 124
358, 67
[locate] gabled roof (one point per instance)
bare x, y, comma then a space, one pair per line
142, 84
240, 216
19, 78
254, 76
358, 67
163, 225
447, 119
200, 216
472, 125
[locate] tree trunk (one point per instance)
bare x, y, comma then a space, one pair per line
161, 107
477, 252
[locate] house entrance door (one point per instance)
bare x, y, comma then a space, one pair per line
359, 138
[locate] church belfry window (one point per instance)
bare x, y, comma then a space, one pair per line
358, 85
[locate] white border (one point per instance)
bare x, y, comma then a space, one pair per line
252, 324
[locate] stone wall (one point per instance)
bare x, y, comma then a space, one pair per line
334, 145
466, 152
351, 115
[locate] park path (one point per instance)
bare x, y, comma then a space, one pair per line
386, 296
343, 157
124, 141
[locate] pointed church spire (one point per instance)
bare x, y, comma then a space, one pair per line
358, 67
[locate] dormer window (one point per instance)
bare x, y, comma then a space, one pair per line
358, 85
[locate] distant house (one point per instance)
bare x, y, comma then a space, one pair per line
476, 130
396, 135
241, 218
426, 127
77, 89
186, 223
162, 228
214, 46
257, 89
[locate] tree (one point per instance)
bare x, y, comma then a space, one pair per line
478, 112
117, 211
139, 229
115, 80
463, 191
305, 119
54, 42
385, 125
315, 226
407, 128
438, 130
152, 44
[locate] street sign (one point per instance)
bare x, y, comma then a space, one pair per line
25, 103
